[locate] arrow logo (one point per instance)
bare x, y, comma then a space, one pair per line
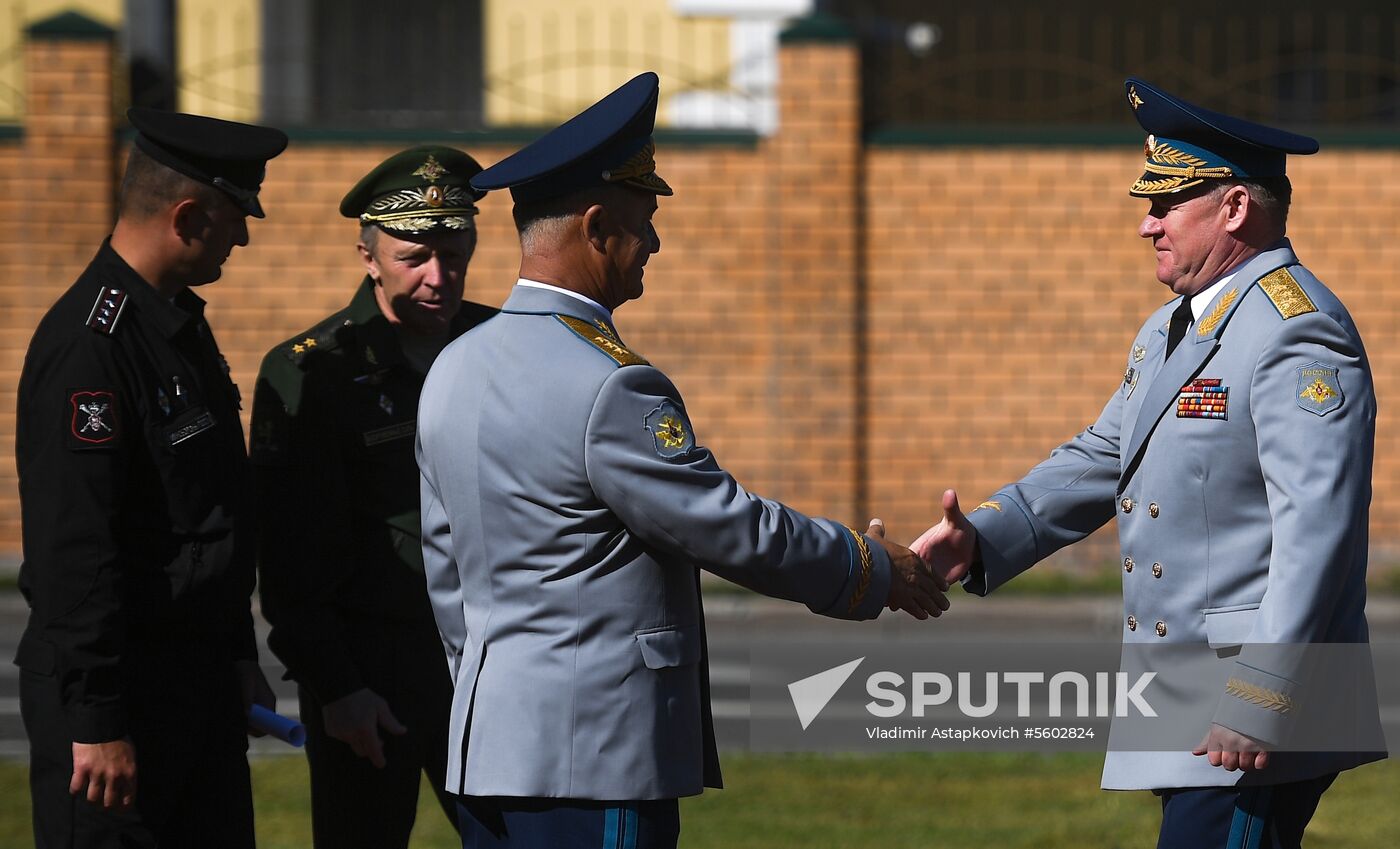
811, 694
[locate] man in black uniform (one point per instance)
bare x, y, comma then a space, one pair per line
342, 571
138, 662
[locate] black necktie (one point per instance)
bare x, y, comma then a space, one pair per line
1181, 319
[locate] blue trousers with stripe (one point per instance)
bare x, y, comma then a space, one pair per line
494, 822
1257, 817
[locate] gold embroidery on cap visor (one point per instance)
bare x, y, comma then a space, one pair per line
639, 171
418, 210
1175, 169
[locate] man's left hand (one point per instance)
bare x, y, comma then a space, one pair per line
1232, 750
254, 687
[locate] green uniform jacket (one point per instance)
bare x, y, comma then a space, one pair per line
333, 425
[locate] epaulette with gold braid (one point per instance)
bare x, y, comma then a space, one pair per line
602, 338
1289, 298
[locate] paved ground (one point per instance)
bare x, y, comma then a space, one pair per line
738, 622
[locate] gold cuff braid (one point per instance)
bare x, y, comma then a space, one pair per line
867, 562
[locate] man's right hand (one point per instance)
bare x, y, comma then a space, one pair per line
356, 719
109, 772
914, 588
951, 545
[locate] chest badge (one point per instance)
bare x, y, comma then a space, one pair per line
1130, 382
1319, 389
386, 404
1203, 398
1139, 353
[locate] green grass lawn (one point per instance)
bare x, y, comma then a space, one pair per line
951, 801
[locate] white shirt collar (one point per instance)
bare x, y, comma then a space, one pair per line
1202, 299
535, 284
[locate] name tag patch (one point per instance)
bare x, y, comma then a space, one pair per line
1319, 389
1203, 398
202, 420
390, 433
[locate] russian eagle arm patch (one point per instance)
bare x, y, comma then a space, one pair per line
91, 419
670, 431
1319, 388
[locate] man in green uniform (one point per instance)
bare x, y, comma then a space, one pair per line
342, 570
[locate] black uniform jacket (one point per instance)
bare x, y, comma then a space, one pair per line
334, 414
135, 493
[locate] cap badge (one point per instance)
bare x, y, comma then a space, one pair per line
1133, 99
431, 170
640, 164
432, 196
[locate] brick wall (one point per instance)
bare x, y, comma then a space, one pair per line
55, 206
1006, 287
854, 328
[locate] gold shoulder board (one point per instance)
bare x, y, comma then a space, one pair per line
1289, 298
602, 339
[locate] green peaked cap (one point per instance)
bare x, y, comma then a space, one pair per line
416, 191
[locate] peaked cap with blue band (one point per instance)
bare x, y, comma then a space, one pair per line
608, 143
1188, 145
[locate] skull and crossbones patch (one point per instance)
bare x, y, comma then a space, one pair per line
93, 419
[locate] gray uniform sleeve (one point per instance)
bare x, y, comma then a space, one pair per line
642, 460
1314, 414
440, 569
1064, 499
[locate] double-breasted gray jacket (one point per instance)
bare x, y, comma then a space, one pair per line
1239, 469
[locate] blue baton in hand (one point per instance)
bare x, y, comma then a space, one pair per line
277, 725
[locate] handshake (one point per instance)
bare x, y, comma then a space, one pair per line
921, 574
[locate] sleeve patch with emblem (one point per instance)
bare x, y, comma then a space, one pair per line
92, 418
1319, 389
670, 432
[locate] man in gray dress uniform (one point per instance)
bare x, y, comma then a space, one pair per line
568, 507
1236, 455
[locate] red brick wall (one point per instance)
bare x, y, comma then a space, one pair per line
55, 206
1006, 287
854, 329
